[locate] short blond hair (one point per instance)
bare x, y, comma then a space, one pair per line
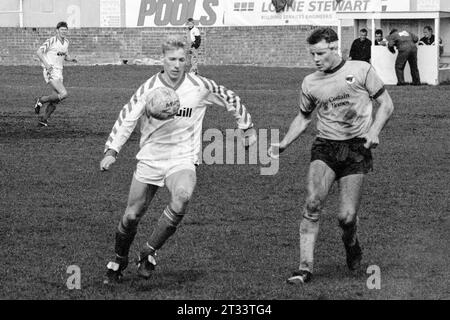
173, 42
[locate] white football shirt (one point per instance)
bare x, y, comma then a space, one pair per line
180, 137
55, 51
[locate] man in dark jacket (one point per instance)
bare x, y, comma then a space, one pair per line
405, 42
361, 47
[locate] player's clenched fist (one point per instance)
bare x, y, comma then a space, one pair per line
372, 140
108, 160
275, 150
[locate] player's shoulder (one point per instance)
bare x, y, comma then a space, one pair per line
312, 77
201, 81
195, 80
356, 65
358, 69
308, 78
149, 84
50, 40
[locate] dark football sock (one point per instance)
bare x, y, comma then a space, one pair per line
124, 238
166, 227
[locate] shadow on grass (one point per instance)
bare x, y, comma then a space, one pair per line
166, 280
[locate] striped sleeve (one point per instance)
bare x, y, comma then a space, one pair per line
128, 118
221, 96
47, 44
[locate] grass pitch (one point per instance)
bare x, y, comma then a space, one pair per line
239, 239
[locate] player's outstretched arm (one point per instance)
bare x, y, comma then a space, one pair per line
221, 96
124, 126
382, 116
297, 127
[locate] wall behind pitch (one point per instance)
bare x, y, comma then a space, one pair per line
262, 46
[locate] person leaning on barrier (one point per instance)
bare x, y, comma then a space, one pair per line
379, 39
405, 42
428, 39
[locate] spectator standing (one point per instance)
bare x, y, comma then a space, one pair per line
361, 47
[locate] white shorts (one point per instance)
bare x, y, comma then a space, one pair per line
56, 74
156, 172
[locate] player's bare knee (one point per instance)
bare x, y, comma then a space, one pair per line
180, 199
313, 208
63, 95
313, 204
134, 214
347, 219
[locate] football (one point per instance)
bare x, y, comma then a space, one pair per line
161, 103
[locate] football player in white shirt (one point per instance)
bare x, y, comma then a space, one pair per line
168, 153
195, 39
52, 55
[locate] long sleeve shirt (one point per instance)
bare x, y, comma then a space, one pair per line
180, 137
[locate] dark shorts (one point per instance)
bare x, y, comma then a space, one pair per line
343, 157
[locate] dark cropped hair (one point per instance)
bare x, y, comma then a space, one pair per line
62, 24
327, 34
379, 31
393, 30
190, 19
428, 28
363, 30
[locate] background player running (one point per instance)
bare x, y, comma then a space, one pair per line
52, 55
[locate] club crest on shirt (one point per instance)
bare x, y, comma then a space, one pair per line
350, 79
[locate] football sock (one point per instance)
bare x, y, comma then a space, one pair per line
165, 228
148, 250
349, 235
124, 237
49, 110
309, 229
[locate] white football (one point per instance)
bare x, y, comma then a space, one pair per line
161, 103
